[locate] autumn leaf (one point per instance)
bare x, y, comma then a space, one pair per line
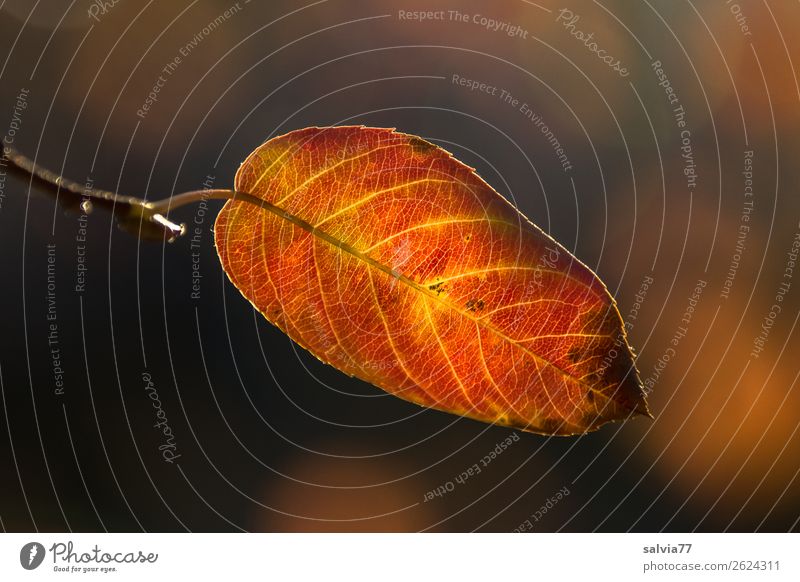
390, 260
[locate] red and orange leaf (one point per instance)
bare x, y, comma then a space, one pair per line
390, 260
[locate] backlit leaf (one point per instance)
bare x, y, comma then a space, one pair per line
389, 259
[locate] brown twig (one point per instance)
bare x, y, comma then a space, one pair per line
143, 218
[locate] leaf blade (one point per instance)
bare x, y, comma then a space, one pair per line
370, 208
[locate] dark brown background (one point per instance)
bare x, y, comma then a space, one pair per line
270, 439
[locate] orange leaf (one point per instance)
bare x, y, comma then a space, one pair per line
389, 259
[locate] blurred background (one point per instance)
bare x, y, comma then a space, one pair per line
658, 141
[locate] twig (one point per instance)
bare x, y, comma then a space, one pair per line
135, 215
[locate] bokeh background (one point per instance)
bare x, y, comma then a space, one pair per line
268, 438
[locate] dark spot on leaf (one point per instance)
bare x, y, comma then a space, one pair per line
590, 395
468, 238
437, 288
475, 304
421, 146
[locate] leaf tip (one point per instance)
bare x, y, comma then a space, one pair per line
643, 410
